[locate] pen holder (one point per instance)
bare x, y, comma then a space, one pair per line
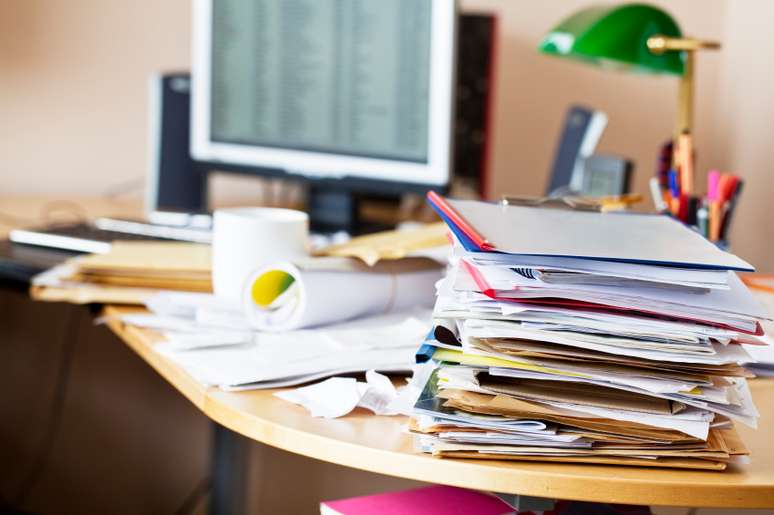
700, 225
708, 216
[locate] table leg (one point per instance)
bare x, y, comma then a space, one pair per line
526, 503
230, 452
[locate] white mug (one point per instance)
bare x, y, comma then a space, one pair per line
247, 238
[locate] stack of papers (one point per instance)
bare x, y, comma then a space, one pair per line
566, 345
129, 274
143, 264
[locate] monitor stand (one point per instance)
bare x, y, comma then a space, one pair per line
333, 209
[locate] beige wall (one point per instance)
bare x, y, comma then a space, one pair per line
73, 97
73, 122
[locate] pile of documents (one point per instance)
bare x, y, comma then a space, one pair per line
585, 337
166, 265
129, 274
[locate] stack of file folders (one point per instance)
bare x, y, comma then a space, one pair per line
584, 337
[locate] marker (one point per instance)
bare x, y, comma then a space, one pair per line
725, 193
713, 183
714, 198
713, 179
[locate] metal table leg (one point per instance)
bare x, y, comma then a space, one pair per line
526, 503
230, 453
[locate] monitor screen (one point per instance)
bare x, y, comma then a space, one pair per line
326, 87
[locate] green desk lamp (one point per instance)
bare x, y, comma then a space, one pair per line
634, 37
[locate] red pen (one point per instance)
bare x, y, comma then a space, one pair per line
682, 212
726, 188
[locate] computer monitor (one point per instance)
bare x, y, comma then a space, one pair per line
353, 96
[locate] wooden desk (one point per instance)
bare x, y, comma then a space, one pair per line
380, 444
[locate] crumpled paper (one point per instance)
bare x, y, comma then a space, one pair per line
338, 396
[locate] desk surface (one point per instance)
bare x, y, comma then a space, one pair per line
380, 444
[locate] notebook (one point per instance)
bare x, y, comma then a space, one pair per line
432, 500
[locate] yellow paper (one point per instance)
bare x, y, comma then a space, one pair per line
390, 245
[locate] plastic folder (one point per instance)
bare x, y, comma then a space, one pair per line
624, 237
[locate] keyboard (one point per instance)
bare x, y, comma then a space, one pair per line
96, 237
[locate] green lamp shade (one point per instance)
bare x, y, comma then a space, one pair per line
616, 37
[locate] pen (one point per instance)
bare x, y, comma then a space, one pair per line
658, 196
664, 164
683, 207
693, 208
674, 190
729, 208
685, 150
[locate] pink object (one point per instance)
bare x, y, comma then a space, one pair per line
432, 500
713, 181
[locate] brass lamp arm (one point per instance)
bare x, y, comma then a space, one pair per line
661, 44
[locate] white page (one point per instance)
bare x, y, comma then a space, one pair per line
235, 366
496, 423
695, 428
474, 328
185, 304
654, 385
160, 322
568, 438
384, 343
669, 275
203, 339
476, 438
763, 354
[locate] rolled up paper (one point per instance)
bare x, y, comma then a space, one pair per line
283, 297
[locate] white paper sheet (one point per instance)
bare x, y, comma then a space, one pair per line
633, 271
386, 342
